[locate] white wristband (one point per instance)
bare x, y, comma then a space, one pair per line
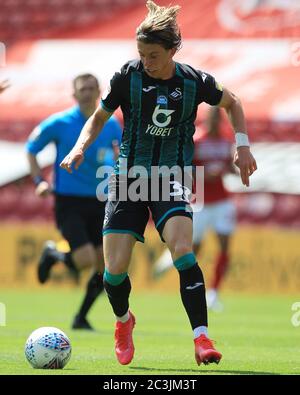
242, 140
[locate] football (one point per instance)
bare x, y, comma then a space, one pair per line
48, 348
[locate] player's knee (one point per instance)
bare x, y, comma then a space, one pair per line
116, 268
84, 263
180, 248
116, 264
85, 257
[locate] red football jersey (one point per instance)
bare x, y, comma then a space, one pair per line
215, 154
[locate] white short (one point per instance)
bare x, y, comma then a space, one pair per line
221, 217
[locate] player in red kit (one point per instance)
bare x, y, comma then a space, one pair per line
214, 152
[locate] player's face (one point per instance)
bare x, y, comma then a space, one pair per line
86, 92
157, 60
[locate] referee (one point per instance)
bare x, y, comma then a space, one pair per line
79, 214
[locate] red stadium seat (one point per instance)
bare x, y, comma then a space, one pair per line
44, 18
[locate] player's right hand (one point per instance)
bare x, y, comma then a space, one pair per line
245, 161
43, 189
75, 157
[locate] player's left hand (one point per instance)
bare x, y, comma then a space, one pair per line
245, 161
43, 189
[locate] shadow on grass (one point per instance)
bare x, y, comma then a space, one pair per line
199, 371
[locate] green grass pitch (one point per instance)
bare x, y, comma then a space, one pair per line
254, 333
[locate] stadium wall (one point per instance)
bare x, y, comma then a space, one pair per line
264, 260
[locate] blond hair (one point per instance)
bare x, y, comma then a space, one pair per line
160, 26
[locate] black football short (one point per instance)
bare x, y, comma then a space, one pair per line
79, 219
132, 216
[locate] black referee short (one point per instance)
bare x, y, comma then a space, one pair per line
132, 217
79, 219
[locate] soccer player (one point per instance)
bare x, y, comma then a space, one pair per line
4, 85
214, 152
79, 214
159, 99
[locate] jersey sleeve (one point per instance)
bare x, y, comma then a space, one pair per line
41, 136
210, 91
112, 98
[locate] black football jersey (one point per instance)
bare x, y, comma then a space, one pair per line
159, 114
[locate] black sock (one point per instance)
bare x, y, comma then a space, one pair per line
93, 290
192, 289
118, 296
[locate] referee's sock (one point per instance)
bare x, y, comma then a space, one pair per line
93, 290
192, 290
117, 287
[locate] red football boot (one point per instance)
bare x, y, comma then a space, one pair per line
205, 351
123, 340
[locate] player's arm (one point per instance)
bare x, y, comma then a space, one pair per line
40, 137
242, 157
88, 135
43, 189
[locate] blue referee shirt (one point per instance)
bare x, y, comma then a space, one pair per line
63, 129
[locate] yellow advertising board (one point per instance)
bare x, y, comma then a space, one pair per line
263, 259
